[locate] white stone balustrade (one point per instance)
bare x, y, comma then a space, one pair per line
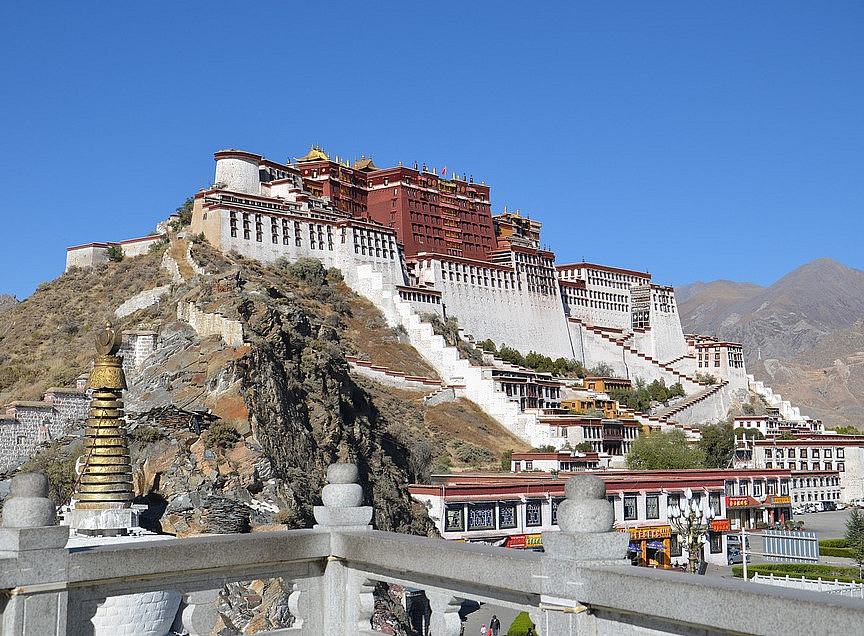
578, 586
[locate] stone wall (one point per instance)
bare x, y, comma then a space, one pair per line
211, 324
28, 424
136, 347
142, 300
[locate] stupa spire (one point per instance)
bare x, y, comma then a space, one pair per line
106, 477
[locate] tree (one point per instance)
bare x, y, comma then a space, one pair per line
488, 346
785, 435
848, 430
855, 537
668, 450
184, 211
751, 433
718, 444
601, 370
506, 458
115, 253
584, 447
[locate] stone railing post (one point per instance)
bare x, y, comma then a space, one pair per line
586, 537
342, 511
33, 560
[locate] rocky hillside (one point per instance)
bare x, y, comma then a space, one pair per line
806, 328
282, 406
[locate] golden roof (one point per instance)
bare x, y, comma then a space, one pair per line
315, 154
365, 164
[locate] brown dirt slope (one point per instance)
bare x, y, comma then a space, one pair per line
46, 340
371, 339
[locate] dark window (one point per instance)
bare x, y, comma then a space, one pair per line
630, 508
716, 541
675, 545
507, 515
533, 513
555, 503
481, 517
714, 502
652, 507
673, 500
454, 520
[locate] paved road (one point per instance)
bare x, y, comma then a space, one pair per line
483, 616
827, 525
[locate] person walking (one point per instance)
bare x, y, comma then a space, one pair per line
494, 626
483, 630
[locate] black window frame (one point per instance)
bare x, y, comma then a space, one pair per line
655, 498
472, 507
454, 507
529, 505
715, 542
502, 505
635, 500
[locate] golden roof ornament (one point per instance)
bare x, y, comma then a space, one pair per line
315, 154
106, 477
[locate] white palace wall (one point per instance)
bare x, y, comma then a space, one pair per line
343, 245
508, 314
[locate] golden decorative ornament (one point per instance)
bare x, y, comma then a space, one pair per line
106, 476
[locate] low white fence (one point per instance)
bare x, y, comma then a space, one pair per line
843, 588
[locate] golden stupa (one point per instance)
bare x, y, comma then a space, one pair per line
105, 481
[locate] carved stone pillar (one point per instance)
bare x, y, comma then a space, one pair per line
586, 537
445, 619
38, 589
342, 511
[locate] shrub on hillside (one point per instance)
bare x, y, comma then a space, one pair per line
115, 253
306, 270
146, 434
706, 378
57, 463
471, 454
222, 435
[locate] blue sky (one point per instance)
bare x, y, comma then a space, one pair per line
696, 140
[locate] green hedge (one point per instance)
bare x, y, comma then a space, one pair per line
833, 543
811, 571
520, 625
836, 552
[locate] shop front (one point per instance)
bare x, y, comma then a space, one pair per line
745, 511
779, 508
650, 546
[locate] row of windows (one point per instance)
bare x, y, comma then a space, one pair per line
840, 467
652, 504
814, 453
482, 516
807, 482
820, 496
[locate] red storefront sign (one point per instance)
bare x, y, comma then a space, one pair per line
522, 541
741, 502
719, 525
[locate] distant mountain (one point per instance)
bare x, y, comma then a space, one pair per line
783, 320
803, 335
711, 303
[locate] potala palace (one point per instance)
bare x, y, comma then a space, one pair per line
417, 243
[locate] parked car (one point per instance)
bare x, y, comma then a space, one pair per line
829, 505
798, 510
735, 556
840, 505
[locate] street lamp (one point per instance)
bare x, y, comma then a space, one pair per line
692, 521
